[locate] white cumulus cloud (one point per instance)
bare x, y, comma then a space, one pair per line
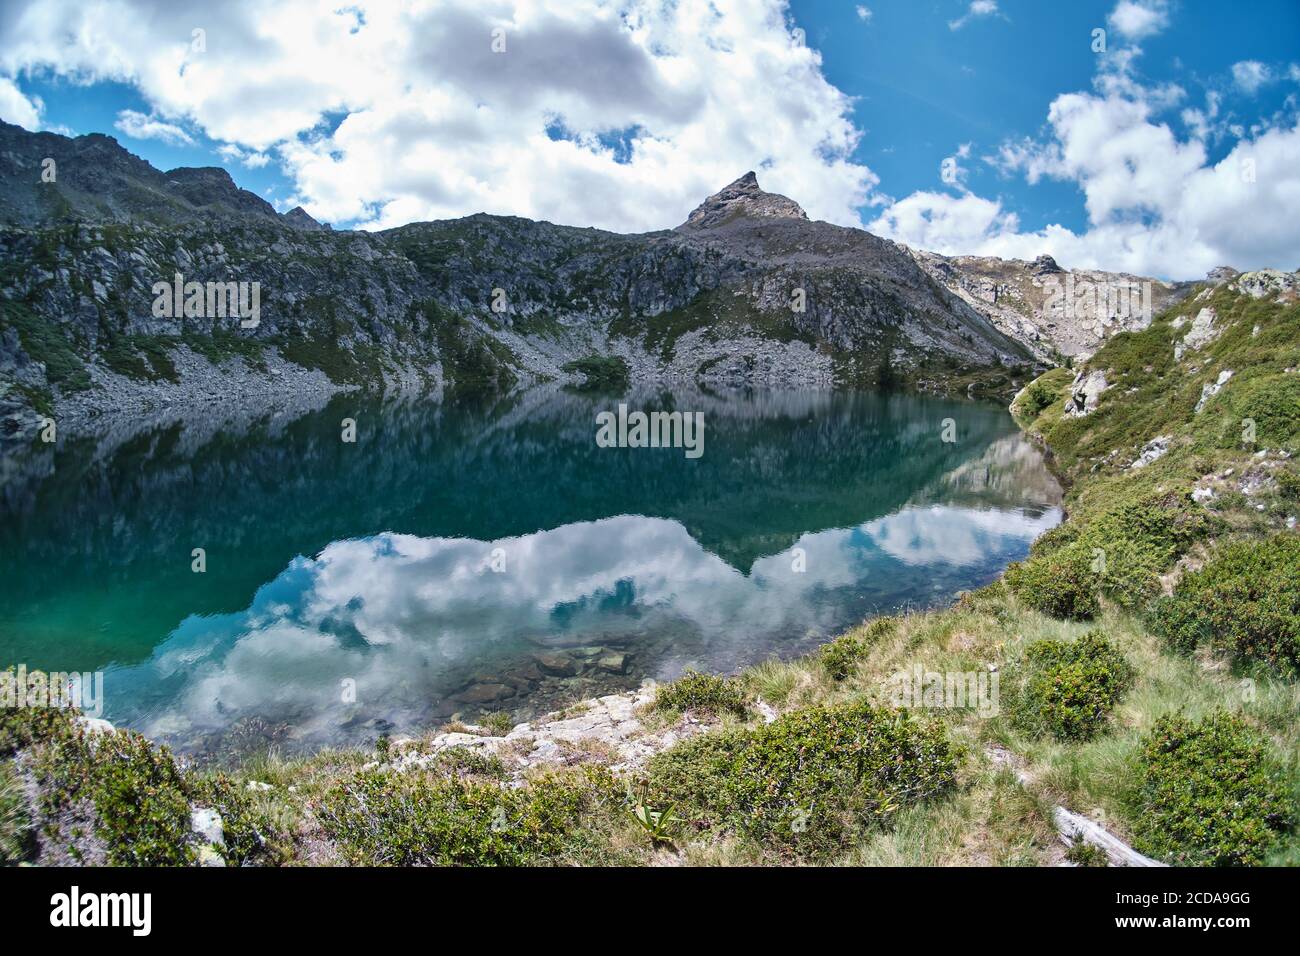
1138, 19
17, 108
1250, 75
140, 126
977, 10
620, 116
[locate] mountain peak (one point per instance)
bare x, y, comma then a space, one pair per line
742, 197
302, 219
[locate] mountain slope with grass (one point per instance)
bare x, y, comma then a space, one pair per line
1145, 655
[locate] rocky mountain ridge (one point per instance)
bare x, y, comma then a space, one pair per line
747, 291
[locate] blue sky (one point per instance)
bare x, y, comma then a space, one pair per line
625, 114
920, 90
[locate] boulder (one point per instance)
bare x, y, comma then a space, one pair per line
1210, 389
1085, 392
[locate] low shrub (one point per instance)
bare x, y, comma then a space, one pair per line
1119, 551
811, 780
1288, 485
1245, 601
116, 798
17, 842
418, 818
252, 836
1037, 397
1083, 853
840, 657
141, 809
1211, 793
1061, 584
702, 694
1067, 689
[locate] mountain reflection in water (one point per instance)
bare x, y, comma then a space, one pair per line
465, 558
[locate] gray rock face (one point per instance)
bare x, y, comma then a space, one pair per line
1085, 392
299, 218
741, 198
1153, 450
95, 179
1210, 389
1053, 311
1201, 334
1271, 284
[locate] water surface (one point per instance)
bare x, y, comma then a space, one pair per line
484, 555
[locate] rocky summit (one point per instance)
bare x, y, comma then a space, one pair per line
747, 291
744, 197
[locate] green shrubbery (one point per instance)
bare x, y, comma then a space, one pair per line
1246, 600
1120, 551
1068, 689
1288, 485
1061, 584
16, 837
1272, 402
1037, 397
118, 795
606, 373
702, 694
423, 818
1211, 794
811, 780
840, 657
137, 794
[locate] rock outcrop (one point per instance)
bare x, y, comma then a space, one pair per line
743, 197
1085, 392
1054, 311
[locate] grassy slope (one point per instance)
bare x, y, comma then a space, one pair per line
987, 817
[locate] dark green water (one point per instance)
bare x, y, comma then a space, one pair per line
432, 561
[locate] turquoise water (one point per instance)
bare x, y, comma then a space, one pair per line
485, 555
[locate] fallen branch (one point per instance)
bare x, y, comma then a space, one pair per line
1073, 827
